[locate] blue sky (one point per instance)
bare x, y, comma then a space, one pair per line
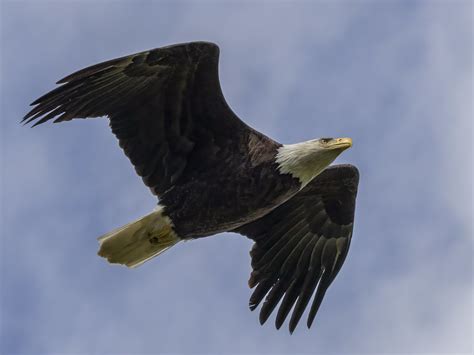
396, 76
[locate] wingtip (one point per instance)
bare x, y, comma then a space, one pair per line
292, 325
36, 102
26, 120
252, 282
294, 322
263, 317
69, 77
311, 316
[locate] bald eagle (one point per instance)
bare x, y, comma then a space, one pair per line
212, 173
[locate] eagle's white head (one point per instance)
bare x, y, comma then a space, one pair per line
306, 160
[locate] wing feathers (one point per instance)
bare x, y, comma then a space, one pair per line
323, 285
300, 246
166, 102
286, 269
276, 242
287, 303
260, 291
97, 69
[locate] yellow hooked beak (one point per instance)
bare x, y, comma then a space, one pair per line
340, 143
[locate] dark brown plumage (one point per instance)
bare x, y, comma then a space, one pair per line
302, 244
213, 173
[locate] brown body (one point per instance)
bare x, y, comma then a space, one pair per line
229, 190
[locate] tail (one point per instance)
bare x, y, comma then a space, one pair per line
139, 241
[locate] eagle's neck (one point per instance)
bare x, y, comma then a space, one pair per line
304, 161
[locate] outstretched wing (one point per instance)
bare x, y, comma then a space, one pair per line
165, 106
301, 245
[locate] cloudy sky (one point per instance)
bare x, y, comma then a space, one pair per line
396, 76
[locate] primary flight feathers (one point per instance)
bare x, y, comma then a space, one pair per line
213, 173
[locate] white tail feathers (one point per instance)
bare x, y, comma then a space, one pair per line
139, 241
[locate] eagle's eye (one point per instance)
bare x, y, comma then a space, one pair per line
325, 140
